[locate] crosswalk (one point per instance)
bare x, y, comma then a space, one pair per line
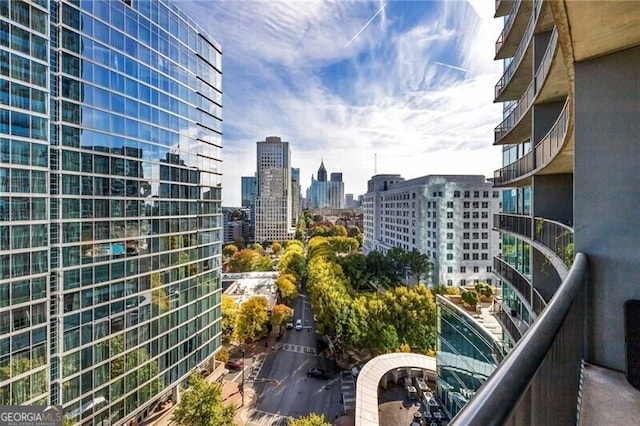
255, 369
348, 384
262, 418
298, 348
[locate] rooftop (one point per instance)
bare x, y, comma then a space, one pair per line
242, 286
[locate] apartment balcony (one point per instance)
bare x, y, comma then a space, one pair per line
516, 280
511, 325
503, 7
553, 154
517, 75
557, 237
538, 382
519, 225
514, 28
516, 127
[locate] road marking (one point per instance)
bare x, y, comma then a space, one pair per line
263, 418
348, 391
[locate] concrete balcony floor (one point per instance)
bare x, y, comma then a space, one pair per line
607, 398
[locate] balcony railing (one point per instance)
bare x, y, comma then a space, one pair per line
525, 102
508, 273
508, 25
543, 153
514, 223
508, 323
522, 48
549, 146
537, 383
503, 7
555, 236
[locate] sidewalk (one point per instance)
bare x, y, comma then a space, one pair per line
230, 390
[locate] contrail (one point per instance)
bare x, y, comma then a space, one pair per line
366, 25
452, 67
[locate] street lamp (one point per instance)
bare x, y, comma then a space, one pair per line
242, 385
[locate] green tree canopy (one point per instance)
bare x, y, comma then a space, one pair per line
311, 419
229, 315
201, 405
252, 319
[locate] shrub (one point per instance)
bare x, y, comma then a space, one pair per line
470, 298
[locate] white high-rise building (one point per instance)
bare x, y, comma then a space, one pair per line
446, 217
274, 204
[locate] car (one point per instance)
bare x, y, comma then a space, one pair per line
315, 318
289, 325
298, 324
235, 364
316, 373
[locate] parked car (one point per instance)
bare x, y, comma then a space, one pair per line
235, 364
316, 373
289, 326
298, 324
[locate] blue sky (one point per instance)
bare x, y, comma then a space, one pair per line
407, 82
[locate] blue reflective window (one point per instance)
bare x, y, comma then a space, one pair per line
20, 124
117, 105
4, 91
38, 100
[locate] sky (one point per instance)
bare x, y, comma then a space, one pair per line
366, 86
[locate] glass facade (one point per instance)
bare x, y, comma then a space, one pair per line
464, 356
110, 202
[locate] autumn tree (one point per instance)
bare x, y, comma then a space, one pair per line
229, 315
293, 262
201, 405
276, 247
418, 264
252, 319
286, 284
311, 419
257, 247
229, 250
281, 314
249, 260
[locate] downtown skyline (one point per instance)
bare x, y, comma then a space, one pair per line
386, 87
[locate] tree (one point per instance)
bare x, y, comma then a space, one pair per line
276, 247
281, 314
229, 250
470, 298
257, 247
229, 315
201, 405
248, 260
312, 419
252, 319
354, 266
286, 284
240, 242
418, 263
222, 355
293, 262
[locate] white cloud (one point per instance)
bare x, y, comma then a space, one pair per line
389, 96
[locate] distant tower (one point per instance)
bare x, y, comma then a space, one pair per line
322, 173
273, 196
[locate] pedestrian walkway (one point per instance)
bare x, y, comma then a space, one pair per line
298, 348
348, 384
262, 418
256, 366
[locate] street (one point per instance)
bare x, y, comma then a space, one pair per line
282, 386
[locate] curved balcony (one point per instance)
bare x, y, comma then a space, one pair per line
514, 224
503, 7
543, 154
517, 125
557, 237
554, 343
514, 278
508, 324
509, 88
514, 27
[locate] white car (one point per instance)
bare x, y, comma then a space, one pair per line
298, 324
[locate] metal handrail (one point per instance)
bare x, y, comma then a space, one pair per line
522, 47
541, 155
514, 223
517, 280
525, 102
508, 25
556, 236
499, 396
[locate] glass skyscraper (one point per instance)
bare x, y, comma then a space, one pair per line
110, 204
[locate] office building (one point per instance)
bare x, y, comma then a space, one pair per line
296, 196
110, 192
446, 217
569, 139
326, 194
273, 191
248, 201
